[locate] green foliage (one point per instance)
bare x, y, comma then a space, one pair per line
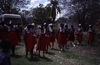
12, 6
82, 11
54, 9
39, 14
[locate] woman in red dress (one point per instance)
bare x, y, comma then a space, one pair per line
91, 34
79, 34
30, 40
61, 37
3, 32
52, 35
41, 46
47, 36
13, 38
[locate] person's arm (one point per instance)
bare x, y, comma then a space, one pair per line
6, 61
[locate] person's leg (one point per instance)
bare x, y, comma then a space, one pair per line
52, 45
31, 53
60, 46
89, 43
79, 43
26, 53
92, 43
46, 49
13, 50
38, 52
73, 43
63, 47
43, 53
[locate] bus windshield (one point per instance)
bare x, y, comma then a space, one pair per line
6, 18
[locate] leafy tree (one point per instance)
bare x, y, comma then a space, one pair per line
84, 11
39, 14
54, 9
12, 6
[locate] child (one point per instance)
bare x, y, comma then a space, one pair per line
4, 54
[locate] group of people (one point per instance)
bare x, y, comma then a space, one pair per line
10, 36
65, 34
42, 37
39, 37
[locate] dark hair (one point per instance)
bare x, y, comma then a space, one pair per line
5, 44
66, 26
72, 26
61, 24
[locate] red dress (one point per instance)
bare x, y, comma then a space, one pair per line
30, 41
41, 43
3, 34
62, 38
47, 39
91, 37
79, 37
52, 37
19, 35
13, 38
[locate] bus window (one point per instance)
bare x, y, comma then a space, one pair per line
6, 18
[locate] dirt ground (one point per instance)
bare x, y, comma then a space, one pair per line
78, 55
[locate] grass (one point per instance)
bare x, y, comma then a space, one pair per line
23, 61
80, 59
75, 58
34, 61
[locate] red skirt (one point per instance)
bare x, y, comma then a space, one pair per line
90, 37
19, 35
30, 41
79, 37
52, 38
62, 38
41, 43
47, 40
3, 35
13, 38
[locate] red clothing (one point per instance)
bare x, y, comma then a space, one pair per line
30, 41
52, 37
47, 39
19, 35
41, 43
79, 37
13, 38
91, 37
62, 38
3, 34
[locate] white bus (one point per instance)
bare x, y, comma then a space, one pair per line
14, 18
